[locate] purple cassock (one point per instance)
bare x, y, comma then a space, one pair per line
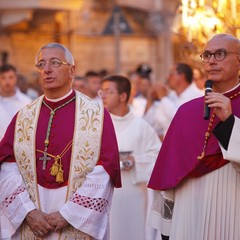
184, 141
61, 134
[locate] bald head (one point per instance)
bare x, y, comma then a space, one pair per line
228, 38
221, 59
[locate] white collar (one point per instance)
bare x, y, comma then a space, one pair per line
61, 98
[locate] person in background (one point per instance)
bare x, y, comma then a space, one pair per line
142, 83
11, 98
59, 160
103, 73
79, 84
92, 84
196, 177
138, 145
180, 81
34, 89
198, 78
146, 101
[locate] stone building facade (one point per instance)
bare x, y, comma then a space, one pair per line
26, 25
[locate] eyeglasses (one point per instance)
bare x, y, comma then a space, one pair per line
219, 55
102, 92
53, 63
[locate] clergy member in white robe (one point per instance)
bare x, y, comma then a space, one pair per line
11, 98
182, 90
138, 145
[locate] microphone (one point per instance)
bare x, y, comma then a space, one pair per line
208, 88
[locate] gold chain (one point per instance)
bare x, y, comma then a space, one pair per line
209, 130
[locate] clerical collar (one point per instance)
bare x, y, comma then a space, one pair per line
233, 88
61, 98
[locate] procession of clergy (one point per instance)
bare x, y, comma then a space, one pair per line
116, 157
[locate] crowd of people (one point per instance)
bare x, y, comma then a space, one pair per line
133, 160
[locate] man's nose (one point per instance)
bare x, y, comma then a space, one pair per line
212, 58
47, 67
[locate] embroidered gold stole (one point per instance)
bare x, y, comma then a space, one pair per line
85, 152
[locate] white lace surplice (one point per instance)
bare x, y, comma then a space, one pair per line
205, 208
88, 209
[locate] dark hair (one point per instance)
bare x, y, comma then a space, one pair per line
92, 74
78, 78
123, 84
144, 70
103, 73
183, 68
7, 67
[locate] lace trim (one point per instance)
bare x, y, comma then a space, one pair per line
236, 166
97, 204
8, 200
13, 213
163, 206
94, 185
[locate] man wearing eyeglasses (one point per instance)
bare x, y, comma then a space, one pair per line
196, 177
138, 145
59, 160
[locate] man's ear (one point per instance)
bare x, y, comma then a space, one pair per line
72, 71
239, 61
123, 97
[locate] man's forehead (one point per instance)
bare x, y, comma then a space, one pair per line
109, 84
220, 42
50, 53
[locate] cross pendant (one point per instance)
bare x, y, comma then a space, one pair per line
44, 158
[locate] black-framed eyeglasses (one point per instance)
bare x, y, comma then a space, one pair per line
219, 55
55, 62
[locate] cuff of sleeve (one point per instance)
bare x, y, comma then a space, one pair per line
16, 220
82, 222
223, 131
23, 213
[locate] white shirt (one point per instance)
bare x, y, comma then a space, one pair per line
135, 135
14, 103
139, 105
170, 104
4, 121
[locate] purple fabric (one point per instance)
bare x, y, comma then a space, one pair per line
61, 134
184, 142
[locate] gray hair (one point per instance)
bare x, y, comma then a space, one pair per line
68, 55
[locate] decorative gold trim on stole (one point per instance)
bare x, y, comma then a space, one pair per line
24, 150
85, 153
86, 150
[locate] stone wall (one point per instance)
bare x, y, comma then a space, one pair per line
81, 32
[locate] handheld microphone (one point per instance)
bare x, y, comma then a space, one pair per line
208, 88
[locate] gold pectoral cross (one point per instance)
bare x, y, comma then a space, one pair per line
45, 158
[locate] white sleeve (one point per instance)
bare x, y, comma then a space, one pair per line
160, 216
88, 209
14, 200
146, 157
232, 153
166, 111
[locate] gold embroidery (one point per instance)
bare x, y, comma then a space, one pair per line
85, 151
